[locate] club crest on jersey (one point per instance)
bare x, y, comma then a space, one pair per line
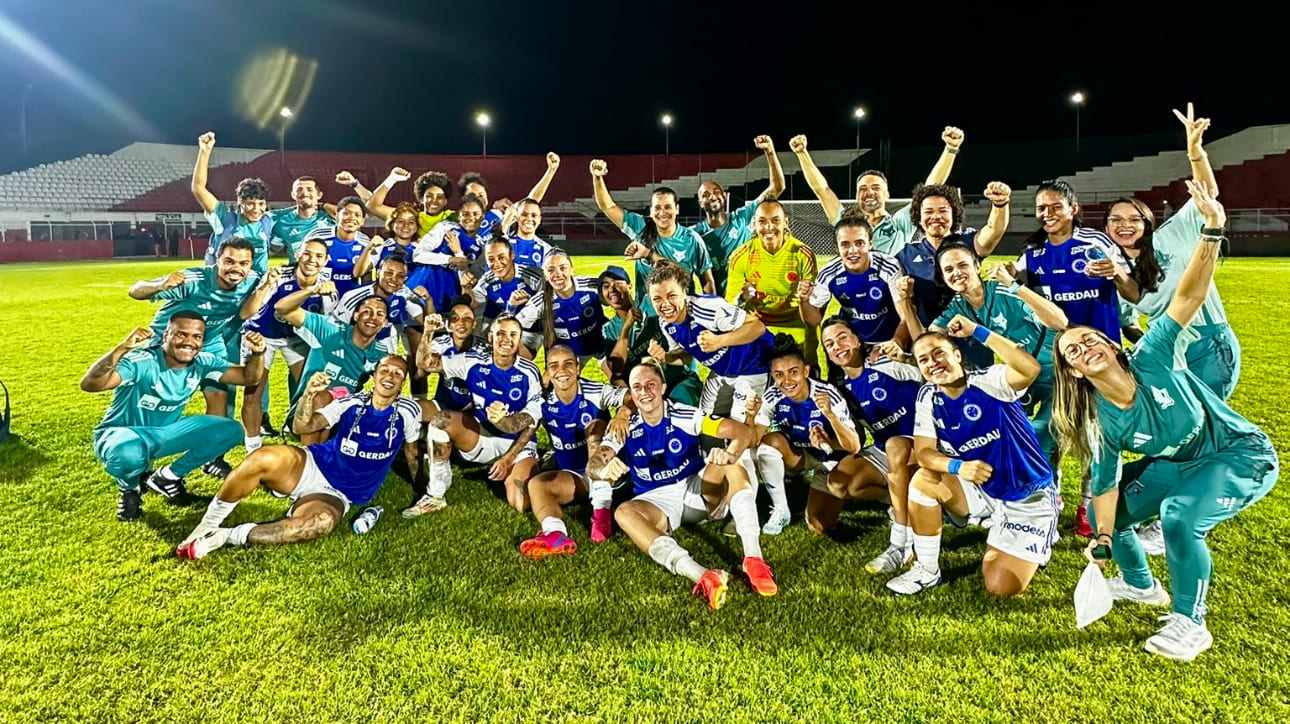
586, 419
879, 394
1079, 265
1162, 398
972, 412
515, 394
674, 446
875, 294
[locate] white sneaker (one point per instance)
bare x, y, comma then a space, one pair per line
1122, 591
1152, 537
213, 539
778, 520
1181, 639
889, 561
425, 504
916, 580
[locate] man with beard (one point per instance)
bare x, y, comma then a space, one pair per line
151, 385
630, 333
294, 224
890, 231
251, 222
280, 337
724, 231
215, 294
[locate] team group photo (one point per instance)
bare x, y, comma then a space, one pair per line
787, 431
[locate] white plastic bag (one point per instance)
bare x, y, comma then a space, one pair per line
1092, 596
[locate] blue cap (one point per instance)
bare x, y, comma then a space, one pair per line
614, 272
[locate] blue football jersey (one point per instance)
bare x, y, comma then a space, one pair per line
518, 387
530, 251
1057, 271
714, 314
662, 454
451, 393
794, 420
864, 298
267, 323
567, 424
579, 320
493, 293
341, 257
357, 458
885, 394
987, 423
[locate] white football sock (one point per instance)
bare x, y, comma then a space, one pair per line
743, 508
552, 523
216, 512
668, 553
440, 478
771, 464
927, 549
253, 443
900, 536
239, 533
602, 494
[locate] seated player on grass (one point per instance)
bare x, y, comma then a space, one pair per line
566, 311
152, 384
883, 394
978, 458
572, 413
674, 484
506, 392
629, 335
814, 435
324, 479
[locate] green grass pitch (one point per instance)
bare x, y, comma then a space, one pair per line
440, 619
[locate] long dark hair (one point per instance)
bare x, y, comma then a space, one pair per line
649, 235
1145, 270
1038, 239
548, 291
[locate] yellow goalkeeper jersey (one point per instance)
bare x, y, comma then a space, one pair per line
774, 277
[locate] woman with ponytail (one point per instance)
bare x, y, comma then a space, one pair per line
1203, 463
569, 310
1157, 255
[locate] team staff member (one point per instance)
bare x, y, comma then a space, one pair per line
1203, 463
722, 230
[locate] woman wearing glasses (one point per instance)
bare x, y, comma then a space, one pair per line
1202, 463
1157, 256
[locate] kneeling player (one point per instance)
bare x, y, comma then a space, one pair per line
673, 484
324, 479
979, 458
814, 435
571, 414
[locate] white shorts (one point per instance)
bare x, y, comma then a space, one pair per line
681, 502
727, 396
293, 351
312, 482
1025, 529
819, 469
489, 448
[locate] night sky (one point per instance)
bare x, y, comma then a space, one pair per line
595, 78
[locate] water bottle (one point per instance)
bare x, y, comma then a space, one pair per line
367, 519
1096, 254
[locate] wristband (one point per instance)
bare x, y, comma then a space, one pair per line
981, 334
1014, 287
953, 467
951, 150
1003, 205
1211, 231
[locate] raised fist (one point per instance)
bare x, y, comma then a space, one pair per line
764, 142
903, 290
174, 279
953, 137
998, 193
138, 338
804, 289
552, 159
345, 178
254, 342
599, 169
317, 383
797, 144
961, 327
518, 298
975, 471
656, 351
496, 411
398, 173
325, 288
206, 141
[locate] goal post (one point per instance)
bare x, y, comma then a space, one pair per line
807, 222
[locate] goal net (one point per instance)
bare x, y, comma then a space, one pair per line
807, 222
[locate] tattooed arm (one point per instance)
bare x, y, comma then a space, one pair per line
103, 376
307, 420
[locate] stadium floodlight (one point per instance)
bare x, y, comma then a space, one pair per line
483, 120
667, 134
285, 112
1077, 100
859, 115
286, 115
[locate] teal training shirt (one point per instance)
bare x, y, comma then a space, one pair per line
685, 247
1006, 314
1174, 415
291, 230
222, 219
892, 233
1174, 243
722, 241
332, 350
200, 293
152, 394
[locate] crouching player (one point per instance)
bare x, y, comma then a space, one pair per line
979, 458
814, 435
674, 484
324, 479
572, 415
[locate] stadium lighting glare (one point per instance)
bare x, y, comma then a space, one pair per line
667, 119
1077, 98
667, 134
482, 119
859, 113
285, 112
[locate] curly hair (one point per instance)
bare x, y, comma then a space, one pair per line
468, 178
432, 178
249, 189
404, 207
922, 192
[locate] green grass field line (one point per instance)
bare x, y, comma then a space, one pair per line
441, 619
